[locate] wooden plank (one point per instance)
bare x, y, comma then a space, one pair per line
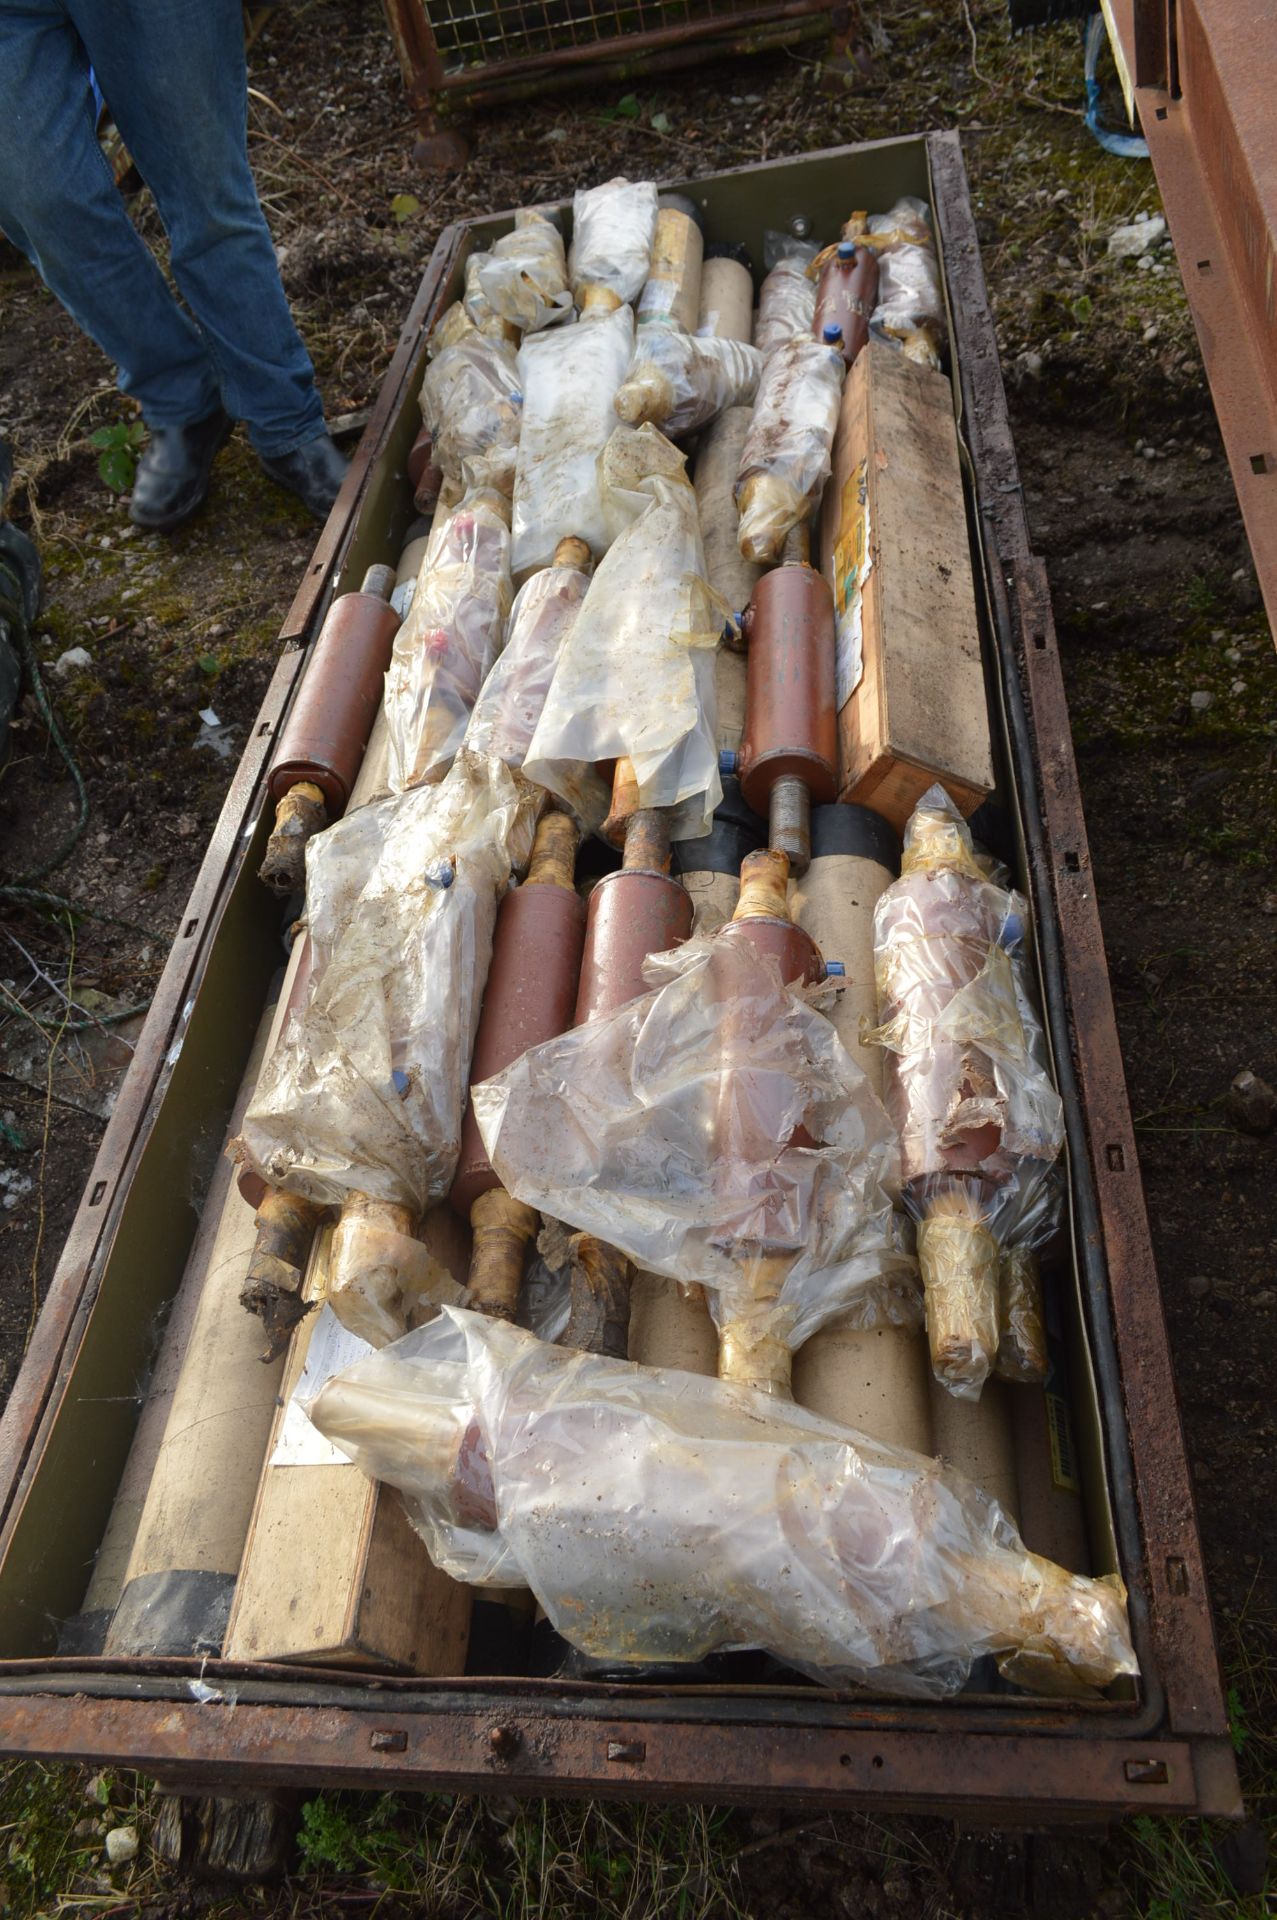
894, 523
333, 1571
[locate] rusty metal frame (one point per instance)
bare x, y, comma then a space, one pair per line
1165, 1750
749, 28
1202, 82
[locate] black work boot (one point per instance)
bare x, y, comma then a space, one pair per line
173, 471
314, 472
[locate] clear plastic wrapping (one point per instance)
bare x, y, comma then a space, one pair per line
510, 701
364, 1092
524, 279
787, 456
636, 674
569, 376
910, 309
680, 381
715, 1131
979, 1121
660, 1516
786, 304
613, 227
453, 324
472, 404
445, 648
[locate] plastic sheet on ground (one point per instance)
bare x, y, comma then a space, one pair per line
364, 1092
445, 648
511, 699
569, 377
636, 674
667, 1130
613, 227
472, 404
787, 456
680, 381
524, 278
966, 1082
660, 1516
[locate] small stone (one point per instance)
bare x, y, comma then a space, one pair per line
185, 825
1199, 1285
1233, 656
1252, 1104
1145, 262
1139, 238
74, 660
1264, 1298
86, 1831
1238, 686
1150, 453
1201, 699
121, 1845
1268, 904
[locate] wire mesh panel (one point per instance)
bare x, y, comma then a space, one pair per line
485, 47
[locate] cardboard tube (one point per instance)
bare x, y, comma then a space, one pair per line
106, 1582
727, 299
875, 1381
975, 1437
673, 288
714, 480
670, 1326
730, 677
200, 1480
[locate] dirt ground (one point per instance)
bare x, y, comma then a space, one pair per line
1155, 599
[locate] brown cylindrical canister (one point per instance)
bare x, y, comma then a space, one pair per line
252, 1187
790, 723
799, 958
975, 1437
529, 997
846, 295
855, 855
727, 298
325, 734
672, 290
631, 914
714, 478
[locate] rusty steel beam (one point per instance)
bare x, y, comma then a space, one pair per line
1203, 77
538, 1751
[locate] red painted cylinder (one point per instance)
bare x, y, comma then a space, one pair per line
791, 728
631, 914
846, 296
801, 961
325, 734
530, 996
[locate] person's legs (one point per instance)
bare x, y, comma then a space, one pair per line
60, 205
174, 77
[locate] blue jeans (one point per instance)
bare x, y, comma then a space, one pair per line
174, 77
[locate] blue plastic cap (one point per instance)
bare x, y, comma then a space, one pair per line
832, 335
728, 761
443, 876
835, 970
846, 249
400, 1080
